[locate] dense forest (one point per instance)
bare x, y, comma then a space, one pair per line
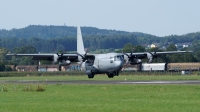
47, 38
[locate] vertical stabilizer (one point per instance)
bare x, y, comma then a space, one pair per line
80, 46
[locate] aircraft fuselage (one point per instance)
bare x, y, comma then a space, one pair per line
110, 64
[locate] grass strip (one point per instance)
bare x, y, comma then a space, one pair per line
106, 98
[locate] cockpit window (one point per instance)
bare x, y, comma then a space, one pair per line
118, 58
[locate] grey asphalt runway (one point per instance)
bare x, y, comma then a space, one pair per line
98, 82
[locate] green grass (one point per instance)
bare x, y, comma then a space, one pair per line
104, 77
101, 98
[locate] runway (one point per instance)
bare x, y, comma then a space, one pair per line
98, 82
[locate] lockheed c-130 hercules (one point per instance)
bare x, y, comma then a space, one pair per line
109, 63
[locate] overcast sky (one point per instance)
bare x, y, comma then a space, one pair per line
156, 17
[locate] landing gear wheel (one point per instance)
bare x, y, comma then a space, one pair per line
117, 73
90, 76
110, 75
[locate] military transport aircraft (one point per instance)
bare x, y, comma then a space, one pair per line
109, 63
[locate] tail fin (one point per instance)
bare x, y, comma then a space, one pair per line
80, 46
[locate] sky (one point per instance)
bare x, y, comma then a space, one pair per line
156, 17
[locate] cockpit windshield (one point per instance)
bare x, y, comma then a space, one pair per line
118, 58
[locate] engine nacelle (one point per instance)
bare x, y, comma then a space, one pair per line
151, 56
68, 62
55, 58
83, 66
135, 61
65, 63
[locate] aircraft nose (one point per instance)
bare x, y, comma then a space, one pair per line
119, 63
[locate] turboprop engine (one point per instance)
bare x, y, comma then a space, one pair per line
131, 59
151, 56
83, 66
135, 61
59, 58
65, 63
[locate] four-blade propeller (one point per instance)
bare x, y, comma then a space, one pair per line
84, 58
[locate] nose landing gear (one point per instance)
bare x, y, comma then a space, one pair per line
90, 74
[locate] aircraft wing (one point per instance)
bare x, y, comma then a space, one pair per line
172, 52
156, 54
149, 55
49, 57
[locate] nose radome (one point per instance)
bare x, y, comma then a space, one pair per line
119, 63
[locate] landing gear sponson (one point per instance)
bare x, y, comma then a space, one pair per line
110, 74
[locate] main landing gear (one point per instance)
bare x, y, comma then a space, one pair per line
112, 74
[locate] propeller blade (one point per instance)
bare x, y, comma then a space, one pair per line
80, 55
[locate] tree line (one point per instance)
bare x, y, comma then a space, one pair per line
47, 38
68, 43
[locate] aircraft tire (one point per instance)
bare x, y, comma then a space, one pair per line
117, 73
90, 76
110, 75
